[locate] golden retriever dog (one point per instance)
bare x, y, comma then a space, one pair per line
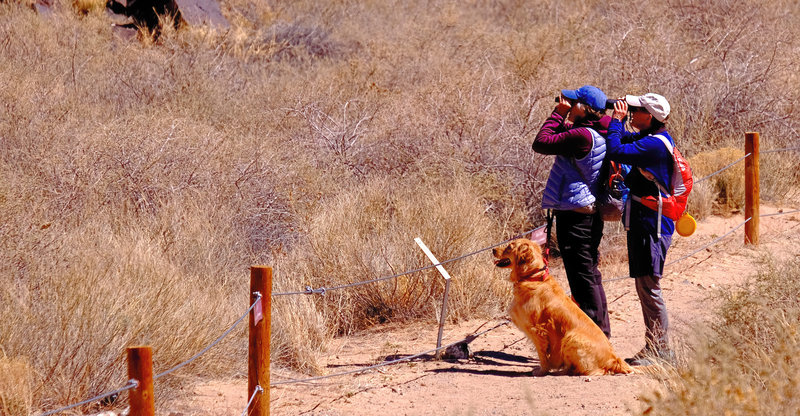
564, 336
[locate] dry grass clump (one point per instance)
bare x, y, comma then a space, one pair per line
369, 233
725, 189
89, 6
723, 193
748, 363
121, 289
16, 385
780, 178
295, 40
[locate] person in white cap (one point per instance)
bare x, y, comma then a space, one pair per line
647, 247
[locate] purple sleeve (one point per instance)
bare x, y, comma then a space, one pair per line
554, 139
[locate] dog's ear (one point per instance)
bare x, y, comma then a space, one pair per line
524, 254
529, 258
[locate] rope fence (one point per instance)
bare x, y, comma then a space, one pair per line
260, 322
471, 337
785, 149
322, 290
309, 290
724, 168
258, 390
215, 342
132, 384
713, 242
779, 213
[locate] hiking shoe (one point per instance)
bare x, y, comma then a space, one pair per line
641, 361
648, 356
644, 354
666, 355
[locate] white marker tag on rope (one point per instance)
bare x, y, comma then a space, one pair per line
430, 255
539, 236
258, 312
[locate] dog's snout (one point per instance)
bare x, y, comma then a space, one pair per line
502, 263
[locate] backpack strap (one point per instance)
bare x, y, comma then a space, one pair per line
666, 142
627, 220
658, 218
661, 188
670, 149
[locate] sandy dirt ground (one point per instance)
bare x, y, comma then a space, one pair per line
498, 379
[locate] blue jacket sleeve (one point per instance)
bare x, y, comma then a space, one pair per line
643, 152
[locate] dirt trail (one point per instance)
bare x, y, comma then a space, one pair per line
498, 381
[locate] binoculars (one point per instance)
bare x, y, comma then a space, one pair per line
609, 102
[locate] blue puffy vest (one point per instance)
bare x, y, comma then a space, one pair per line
573, 182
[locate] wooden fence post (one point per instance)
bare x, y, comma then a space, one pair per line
140, 368
260, 330
752, 192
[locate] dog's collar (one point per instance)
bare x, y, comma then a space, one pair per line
542, 278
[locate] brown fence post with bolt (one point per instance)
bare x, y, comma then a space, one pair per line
258, 357
752, 192
140, 368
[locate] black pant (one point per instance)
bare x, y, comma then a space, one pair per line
579, 237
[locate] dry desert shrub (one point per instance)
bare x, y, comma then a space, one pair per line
724, 189
119, 290
369, 233
702, 200
779, 176
747, 362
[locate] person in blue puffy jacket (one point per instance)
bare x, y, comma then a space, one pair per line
574, 132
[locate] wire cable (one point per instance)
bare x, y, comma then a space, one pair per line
309, 290
132, 384
785, 149
715, 241
779, 213
257, 391
217, 341
721, 170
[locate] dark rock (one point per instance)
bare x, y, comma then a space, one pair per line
458, 351
193, 12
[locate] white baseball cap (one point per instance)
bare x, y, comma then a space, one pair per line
655, 104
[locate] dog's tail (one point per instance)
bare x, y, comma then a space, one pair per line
618, 366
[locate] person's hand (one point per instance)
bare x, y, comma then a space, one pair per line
563, 106
620, 110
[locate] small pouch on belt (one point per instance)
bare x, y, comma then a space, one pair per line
589, 209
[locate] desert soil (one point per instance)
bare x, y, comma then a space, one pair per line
498, 379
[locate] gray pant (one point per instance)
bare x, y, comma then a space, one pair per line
654, 310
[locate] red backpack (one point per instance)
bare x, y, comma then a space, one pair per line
673, 204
